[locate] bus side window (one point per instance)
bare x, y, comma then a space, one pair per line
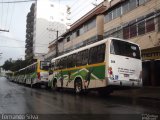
79, 59
84, 55
53, 66
101, 53
59, 63
64, 62
93, 55
97, 54
74, 59
56, 64
70, 61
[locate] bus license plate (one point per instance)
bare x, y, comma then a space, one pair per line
126, 75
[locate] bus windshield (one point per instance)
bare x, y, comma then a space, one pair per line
45, 65
124, 49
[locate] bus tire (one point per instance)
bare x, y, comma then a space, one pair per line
78, 86
54, 85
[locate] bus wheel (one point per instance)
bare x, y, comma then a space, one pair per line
78, 86
54, 85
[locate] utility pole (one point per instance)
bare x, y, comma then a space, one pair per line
56, 42
0, 58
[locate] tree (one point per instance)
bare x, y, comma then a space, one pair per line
7, 65
15, 65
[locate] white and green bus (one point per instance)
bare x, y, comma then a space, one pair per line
101, 66
34, 74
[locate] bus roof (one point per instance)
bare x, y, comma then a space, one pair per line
91, 45
27, 67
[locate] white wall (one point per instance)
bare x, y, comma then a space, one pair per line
49, 18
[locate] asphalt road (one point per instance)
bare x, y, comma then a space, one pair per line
19, 99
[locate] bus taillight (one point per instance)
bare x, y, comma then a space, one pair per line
39, 76
110, 71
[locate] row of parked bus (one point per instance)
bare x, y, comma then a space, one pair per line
109, 63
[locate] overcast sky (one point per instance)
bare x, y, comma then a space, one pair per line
13, 18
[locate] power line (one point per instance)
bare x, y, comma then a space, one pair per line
79, 9
75, 2
18, 1
2, 14
11, 15
11, 47
7, 15
13, 39
19, 47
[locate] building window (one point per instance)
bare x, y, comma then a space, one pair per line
110, 16
125, 7
141, 28
77, 33
141, 2
106, 19
120, 33
132, 4
85, 28
119, 11
73, 35
150, 25
133, 30
158, 23
91, 24
126, 32
114, 13
81, 30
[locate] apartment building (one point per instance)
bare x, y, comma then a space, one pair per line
29, 34
49, 17
134, 20
86, 30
